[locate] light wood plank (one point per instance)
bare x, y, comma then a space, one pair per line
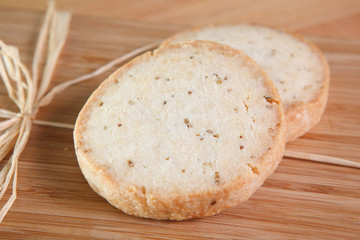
301, 200
330, 18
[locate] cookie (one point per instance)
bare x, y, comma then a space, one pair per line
182, 132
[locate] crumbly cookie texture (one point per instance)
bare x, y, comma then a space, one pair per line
182, 132
298, 68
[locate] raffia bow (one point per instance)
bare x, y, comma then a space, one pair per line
30, 92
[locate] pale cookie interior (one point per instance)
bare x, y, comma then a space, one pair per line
185, 121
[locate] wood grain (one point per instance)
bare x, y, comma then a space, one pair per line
301, 200
327, 18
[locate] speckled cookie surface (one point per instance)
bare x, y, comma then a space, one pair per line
186, 131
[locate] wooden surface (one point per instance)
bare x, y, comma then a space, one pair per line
328, 18
301, 200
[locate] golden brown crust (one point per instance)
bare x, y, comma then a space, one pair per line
300, 118
136, 201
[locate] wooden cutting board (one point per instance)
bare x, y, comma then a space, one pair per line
301, 200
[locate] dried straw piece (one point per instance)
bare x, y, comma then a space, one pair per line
58, 31
321, 158
54, 124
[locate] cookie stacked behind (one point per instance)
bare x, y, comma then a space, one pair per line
298, 68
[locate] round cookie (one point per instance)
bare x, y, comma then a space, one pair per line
185, 131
